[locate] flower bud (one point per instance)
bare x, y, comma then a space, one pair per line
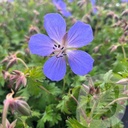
33, 30
10, 60
113, 48
22, 107
6, 74
17, 104
123, 81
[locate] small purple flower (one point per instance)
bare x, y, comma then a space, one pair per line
94, 8
61, 7
62, 47
125, 1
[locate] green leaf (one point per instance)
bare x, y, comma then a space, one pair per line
50, 115
73, 123
63, 105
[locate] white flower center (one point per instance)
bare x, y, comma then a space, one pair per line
59, 50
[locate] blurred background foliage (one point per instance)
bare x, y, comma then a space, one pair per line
54, 104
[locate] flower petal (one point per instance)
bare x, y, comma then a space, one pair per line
61, 6
55, 26
79, 35
80, 62
65, 13
55, 68
41, 45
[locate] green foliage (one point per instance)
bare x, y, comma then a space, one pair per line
73, 123
67, 103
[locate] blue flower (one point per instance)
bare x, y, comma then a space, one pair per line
94, 8
61, 7
63, 47
124, 1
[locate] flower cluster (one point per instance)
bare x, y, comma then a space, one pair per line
62, 46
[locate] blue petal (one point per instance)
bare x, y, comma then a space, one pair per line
79, 35
93, 2
80, 62
59, 4
55, 68
55, 26
65, 13
41, 45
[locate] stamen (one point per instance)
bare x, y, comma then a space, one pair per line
64, 54
62, 48
58, 45
55, 45
59, 56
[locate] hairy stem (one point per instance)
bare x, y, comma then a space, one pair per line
116, 100
43, 88
83, 113
22, 62
4, 115
124, 53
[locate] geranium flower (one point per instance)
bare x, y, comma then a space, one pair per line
94, 8
125, 1
62, 47
61, 7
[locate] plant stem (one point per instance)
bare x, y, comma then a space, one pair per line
43, 88
124, 53
83, 113
119, 99
93, 108
63, 89
4, 115
22, 62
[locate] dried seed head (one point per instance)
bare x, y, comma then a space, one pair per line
20, 79
17, 104
33, 30
123, 24
16, 77
110, 14
113, 48
92, 90
36, 12
6, 74
122, 40
116, 18
27, 51
123, 81
125, 13
87, 18
10, 60
126, 33
96, 49
27, 38
126, 28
